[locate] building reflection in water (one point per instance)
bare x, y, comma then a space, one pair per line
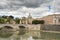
32, 35
50, 36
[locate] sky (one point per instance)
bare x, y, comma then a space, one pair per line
37, 8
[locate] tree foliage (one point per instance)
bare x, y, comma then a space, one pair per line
8, 18
1, 20
17, 20
4, 16
38, 22
11, 17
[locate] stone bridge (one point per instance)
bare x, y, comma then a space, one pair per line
17, 26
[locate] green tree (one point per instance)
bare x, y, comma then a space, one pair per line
12, 17
17, 20
1, 20
4, 16
38, 22
8, 19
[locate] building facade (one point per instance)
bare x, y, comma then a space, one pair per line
52, 19
25, 20
12, 21
29, 19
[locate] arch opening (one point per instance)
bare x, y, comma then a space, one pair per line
21, 26
8, 27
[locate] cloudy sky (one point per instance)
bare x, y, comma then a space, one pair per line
37, 8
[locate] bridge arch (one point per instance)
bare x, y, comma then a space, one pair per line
22, 27
8, 27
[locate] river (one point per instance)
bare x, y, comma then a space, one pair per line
32, 35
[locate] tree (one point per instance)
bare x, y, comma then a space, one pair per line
11, 17
1, 20
38, 22
17, 20
4, 16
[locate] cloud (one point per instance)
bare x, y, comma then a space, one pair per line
37, 8
16, 4
33, 3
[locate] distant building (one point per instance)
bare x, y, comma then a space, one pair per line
29, 19
25, 20
12, 21
52, 19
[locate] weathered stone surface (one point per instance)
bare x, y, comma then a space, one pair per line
27, 26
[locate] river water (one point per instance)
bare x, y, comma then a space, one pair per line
32, 35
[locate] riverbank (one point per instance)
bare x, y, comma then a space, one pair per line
50, 31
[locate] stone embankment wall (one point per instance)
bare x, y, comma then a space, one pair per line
50, 27
34, 27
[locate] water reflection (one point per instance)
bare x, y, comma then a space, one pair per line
50, 36
5, 34
32, 35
